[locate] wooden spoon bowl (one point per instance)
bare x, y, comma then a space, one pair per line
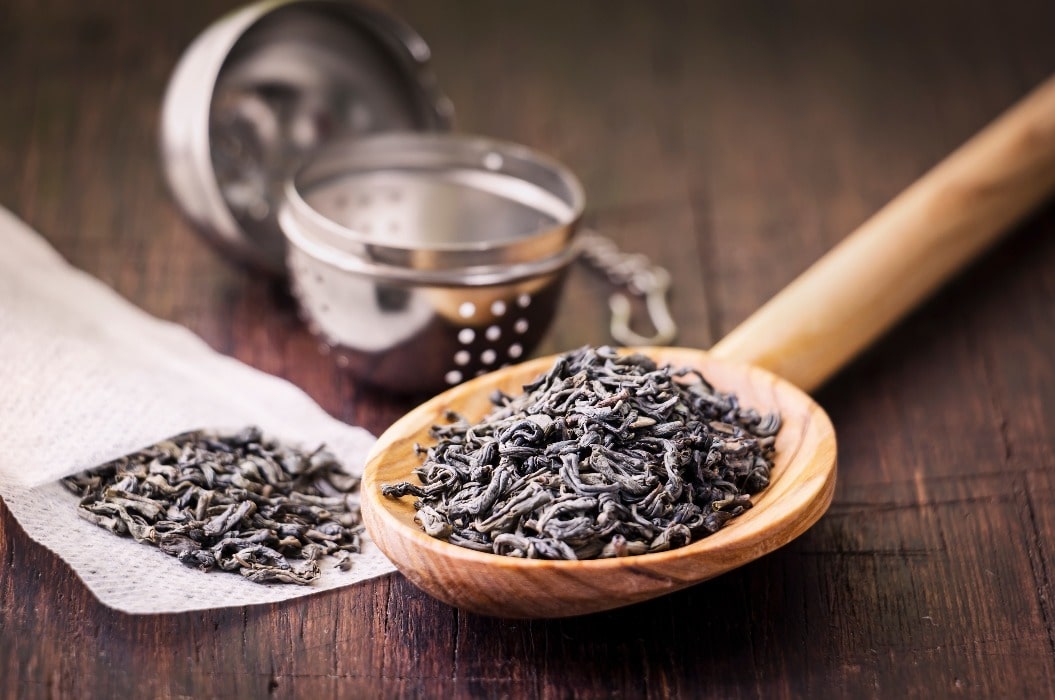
800, 490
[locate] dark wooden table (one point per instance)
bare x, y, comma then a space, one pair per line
734, 143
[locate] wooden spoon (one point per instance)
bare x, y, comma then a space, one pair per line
804, 334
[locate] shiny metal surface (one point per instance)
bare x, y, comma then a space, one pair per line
437, 201
421, 260
266, 86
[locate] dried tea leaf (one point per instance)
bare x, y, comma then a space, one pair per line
237, 503
605, 455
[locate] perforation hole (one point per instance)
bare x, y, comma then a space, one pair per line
493, 161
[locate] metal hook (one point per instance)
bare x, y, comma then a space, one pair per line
653, 285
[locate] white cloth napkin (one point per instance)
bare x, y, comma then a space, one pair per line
86, 377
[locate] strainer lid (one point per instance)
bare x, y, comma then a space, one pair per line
264, 87
435, 202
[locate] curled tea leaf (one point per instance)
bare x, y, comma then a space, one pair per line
604, 455
236, 503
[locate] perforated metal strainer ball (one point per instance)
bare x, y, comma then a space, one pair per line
421, 260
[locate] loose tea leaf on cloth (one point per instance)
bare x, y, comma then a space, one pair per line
241, 503
87, 378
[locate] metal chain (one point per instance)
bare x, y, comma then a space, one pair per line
641, 278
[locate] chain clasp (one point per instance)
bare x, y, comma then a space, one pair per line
641, 278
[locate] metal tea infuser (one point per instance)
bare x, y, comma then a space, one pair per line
309, 137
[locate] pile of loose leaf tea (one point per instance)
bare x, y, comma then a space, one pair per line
606, 455
237, 503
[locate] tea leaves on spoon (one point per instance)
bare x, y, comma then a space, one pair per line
605, 455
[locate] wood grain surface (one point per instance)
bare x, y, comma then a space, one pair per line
911, 247
734, 142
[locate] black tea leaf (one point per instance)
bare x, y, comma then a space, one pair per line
235, 503
605, 455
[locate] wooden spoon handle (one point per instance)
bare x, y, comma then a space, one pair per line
894, 260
